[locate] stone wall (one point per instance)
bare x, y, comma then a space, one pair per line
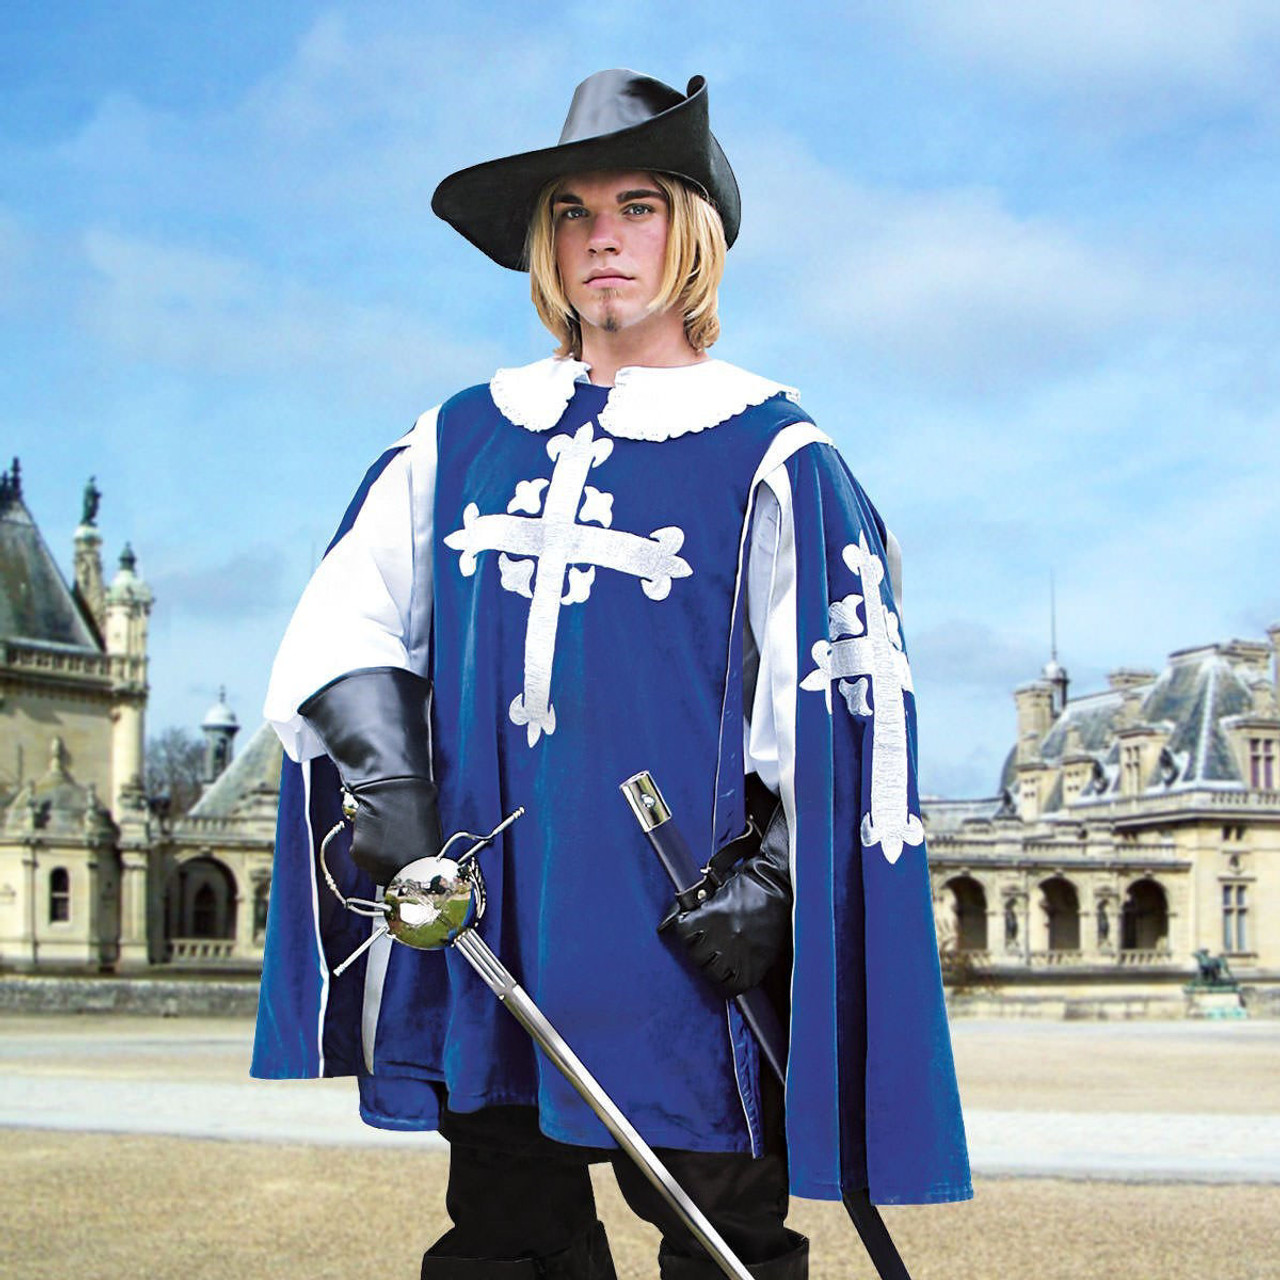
156, 997
1063, 1008
1260, 1001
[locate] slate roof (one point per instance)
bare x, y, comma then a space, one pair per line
35, 601
249, 787
942, 817
1191, 699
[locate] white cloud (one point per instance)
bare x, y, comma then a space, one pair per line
965, 653
1220, 50
247, 583
319, 179
215, 314
958, 280
949, 285
121, 135
1184, 567
359, 124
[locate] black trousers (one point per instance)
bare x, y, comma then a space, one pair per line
513, 1192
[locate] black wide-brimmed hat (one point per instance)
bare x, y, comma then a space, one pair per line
617, 120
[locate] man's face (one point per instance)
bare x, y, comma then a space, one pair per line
611, 244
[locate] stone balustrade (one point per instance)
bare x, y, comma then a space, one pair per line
200, 950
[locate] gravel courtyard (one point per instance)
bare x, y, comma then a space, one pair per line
1135, 1149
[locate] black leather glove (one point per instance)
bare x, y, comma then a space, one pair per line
742, 927
373, 726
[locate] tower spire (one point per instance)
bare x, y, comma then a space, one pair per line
1053, 619
1054, 672
219, 727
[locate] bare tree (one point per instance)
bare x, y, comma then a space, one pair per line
175, 769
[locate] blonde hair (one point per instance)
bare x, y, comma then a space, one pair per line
690, 279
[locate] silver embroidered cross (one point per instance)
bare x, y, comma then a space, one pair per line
554, 530
859, 657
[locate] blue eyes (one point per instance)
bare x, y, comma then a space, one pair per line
573, 212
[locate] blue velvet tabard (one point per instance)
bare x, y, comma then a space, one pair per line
587, 625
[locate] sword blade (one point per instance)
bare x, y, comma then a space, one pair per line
499, 980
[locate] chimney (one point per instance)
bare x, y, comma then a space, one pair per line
1035, 717
1123, 678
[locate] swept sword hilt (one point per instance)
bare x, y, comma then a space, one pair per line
436, 902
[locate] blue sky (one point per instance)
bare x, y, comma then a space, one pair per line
1022, 262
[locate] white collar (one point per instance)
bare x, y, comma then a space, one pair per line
645, 403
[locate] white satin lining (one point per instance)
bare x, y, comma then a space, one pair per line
315, 919
782, 640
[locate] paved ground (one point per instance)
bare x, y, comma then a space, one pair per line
98, 1185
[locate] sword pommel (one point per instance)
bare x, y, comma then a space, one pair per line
646, 801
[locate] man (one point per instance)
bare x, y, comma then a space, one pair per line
629, 556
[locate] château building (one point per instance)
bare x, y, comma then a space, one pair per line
75, 833
92, 874
218, 857
1133, 827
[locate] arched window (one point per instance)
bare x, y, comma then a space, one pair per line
59, 895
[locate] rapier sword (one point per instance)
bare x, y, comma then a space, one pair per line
436, 902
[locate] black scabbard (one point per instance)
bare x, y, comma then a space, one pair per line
685, 873
682, 867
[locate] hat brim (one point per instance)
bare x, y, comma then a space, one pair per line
492, 204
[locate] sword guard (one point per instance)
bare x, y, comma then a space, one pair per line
430, 901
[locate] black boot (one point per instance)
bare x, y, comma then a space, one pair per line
792, 1265
586, 1258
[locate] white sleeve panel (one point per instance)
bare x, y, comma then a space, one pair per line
769, 643
762, 587
893, 554
368, 604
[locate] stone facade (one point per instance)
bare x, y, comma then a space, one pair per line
92, 876
217, 860
75, 833
1133, 827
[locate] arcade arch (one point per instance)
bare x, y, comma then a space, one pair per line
1060, 910
1144, 920
966, 901
201, 901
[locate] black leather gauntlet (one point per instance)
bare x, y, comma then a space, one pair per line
742, 927
373, 726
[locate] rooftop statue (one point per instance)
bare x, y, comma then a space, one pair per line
92, 500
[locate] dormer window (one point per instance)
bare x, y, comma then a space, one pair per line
1131, 769
1262, 764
